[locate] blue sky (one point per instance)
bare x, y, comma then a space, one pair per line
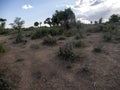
30, 10
39, 10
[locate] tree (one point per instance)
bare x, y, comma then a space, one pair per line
48, 21
114, 18
17, 25
100, 20
40, 23
63, 17
96, 22
36, 24
2, 22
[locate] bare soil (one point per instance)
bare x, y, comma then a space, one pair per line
41, 69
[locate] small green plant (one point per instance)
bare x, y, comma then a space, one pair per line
49, 40
66, 52
2, 48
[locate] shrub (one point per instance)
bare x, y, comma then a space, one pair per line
66, 53
5, 84
19, 38
107, 36
40, 33
70, 33
4, 32
49, 40
2, 48
78, 36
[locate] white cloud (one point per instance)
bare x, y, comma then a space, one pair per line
27, 6
87, 10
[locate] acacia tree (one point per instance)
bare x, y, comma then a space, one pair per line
36, 24
48, 21
17, 25
2, 22
114, 18
63, 17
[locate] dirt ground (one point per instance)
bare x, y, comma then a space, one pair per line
41, 69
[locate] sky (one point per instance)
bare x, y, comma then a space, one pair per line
39, 10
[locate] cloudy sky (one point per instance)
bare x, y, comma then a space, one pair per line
39, 10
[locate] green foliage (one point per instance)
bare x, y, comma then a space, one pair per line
40, 33
49, 40
48, 21
5, 84
55, 32
4, 31
2, 48
70, 33
17, 24
66, 52
114, 18
19, 38
63, 18
2, 22
36, 24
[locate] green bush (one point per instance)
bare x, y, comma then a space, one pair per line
49, 40
19, 38
2, 48
70, 33
79, 35
66, 52
4, 31
40, 33
5, 84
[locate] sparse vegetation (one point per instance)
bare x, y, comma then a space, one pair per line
49, 40
40, 33
2, 48
67, 53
